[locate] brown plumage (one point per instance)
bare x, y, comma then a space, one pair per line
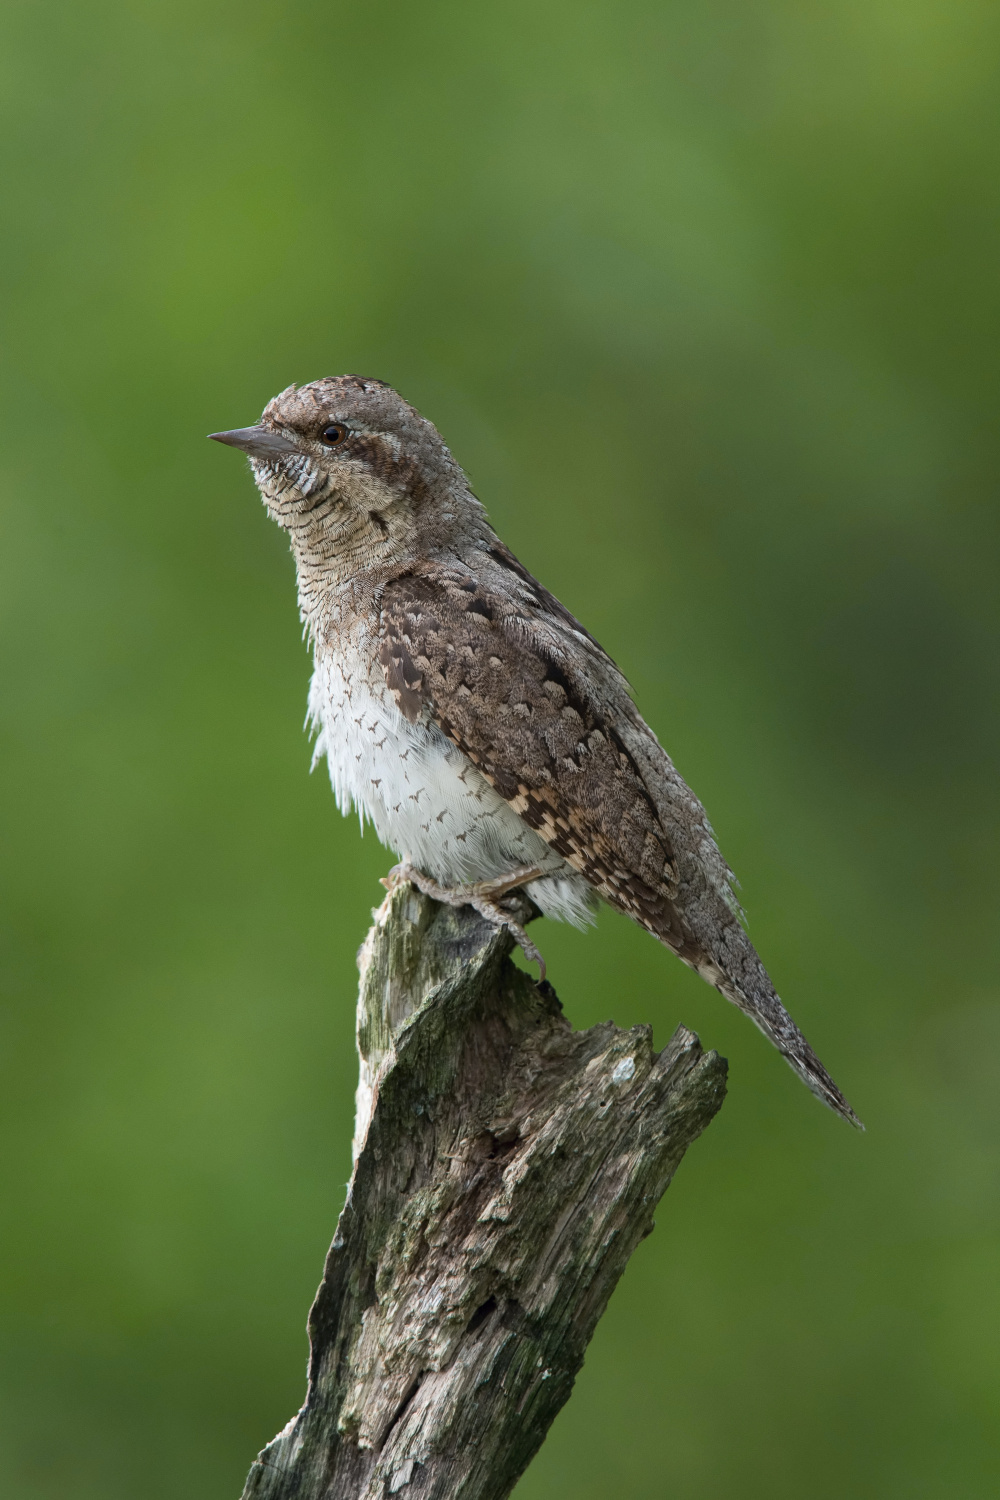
466, 711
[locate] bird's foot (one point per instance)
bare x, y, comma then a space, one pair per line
482, 895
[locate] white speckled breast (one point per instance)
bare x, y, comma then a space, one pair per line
425, 799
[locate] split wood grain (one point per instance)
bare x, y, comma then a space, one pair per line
506, 1168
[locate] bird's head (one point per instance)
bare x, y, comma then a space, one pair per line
355, 475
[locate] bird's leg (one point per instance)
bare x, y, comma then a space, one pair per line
482, 895
500, 917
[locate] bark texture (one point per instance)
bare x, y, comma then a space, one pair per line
506, 1168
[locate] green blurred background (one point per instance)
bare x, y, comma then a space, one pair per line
706, 297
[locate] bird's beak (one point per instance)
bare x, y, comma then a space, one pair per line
260, 441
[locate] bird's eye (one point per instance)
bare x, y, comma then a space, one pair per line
333, 434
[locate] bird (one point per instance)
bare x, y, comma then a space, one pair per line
491, 741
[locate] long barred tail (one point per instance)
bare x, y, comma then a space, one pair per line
732, 965
766, 1011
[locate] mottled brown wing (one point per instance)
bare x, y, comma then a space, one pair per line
478, 662
511, 678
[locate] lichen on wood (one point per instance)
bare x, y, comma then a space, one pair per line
506, 1167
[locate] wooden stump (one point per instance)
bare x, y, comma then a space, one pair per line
506, 1168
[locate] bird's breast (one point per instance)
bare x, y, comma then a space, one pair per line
424, 797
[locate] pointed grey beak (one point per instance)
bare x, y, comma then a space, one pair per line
260, 441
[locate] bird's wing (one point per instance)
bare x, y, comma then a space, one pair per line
529, 696
513, 680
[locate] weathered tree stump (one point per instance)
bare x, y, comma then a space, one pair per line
506, 1168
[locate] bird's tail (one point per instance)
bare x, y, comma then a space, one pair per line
766, 1011
736, 971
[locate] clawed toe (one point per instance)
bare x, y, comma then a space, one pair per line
397, 875
483, 896
526, 946
495, 913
